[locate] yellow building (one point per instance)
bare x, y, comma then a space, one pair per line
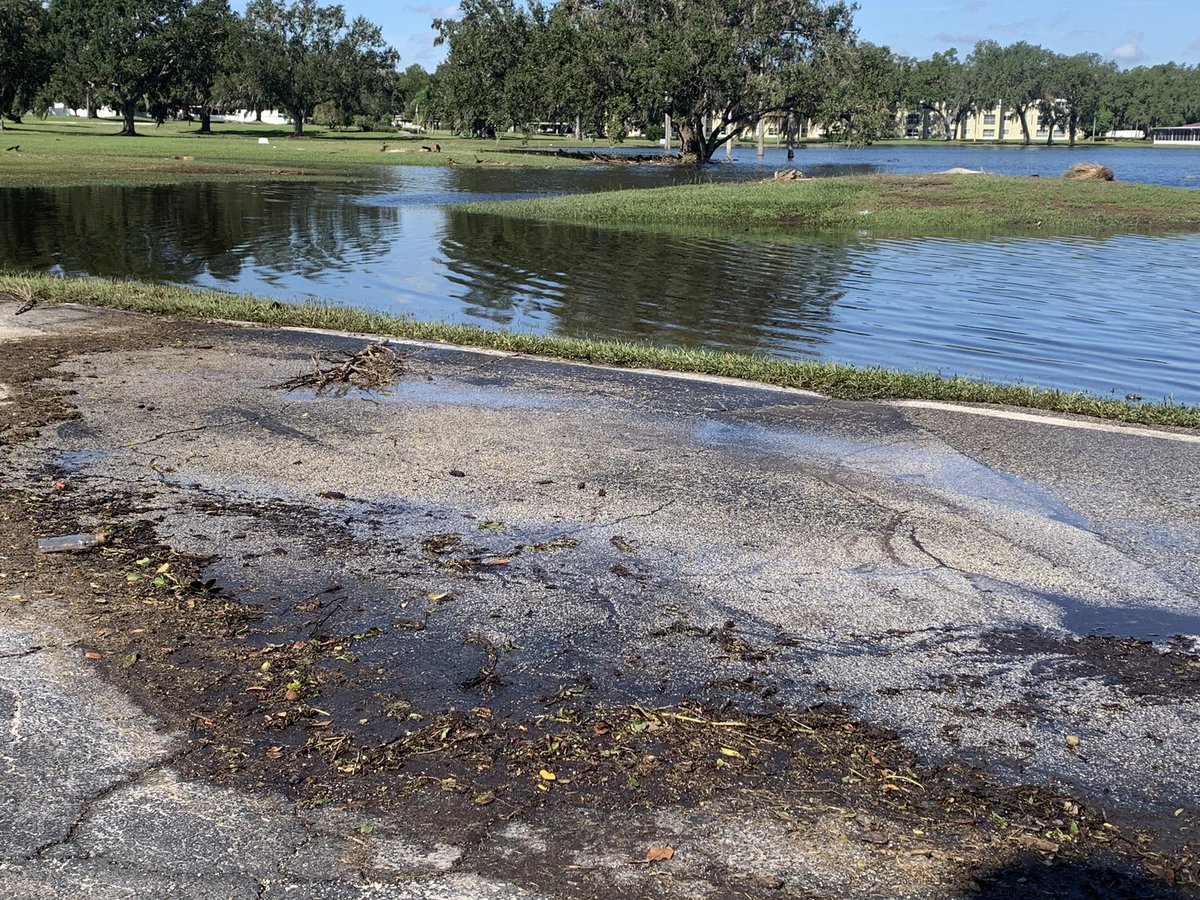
993, 124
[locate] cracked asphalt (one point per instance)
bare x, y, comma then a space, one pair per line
953, 575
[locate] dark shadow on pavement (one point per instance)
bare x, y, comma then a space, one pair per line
1033, 879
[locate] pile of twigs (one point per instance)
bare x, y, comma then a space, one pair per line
371, 368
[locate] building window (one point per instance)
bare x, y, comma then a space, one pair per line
989, 119
989, 132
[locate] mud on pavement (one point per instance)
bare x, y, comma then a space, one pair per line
514, 628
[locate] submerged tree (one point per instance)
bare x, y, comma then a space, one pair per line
1015, 75
867, 89
717, 67
945, 86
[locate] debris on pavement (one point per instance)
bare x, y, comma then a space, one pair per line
375, 366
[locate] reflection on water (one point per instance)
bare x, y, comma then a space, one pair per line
183, 233
1108, 315
717, 292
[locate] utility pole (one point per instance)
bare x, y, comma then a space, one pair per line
762, 137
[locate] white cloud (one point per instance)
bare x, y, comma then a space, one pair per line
1129, 53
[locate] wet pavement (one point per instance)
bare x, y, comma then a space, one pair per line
523, 536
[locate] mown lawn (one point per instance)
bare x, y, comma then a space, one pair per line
830, 379
887, 204
74, 150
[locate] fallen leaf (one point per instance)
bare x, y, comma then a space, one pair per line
434, 598
291, 695
92, 654
660, 854
129, 660
547, 775
600, 729
729, 751
1073, 740
274, 752
485, 798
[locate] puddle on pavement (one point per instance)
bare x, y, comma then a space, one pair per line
1143, 623
933, 467
427, 393
73, 461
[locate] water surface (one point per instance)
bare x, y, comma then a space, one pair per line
1115, 315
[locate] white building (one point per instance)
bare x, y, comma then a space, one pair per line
1179, 136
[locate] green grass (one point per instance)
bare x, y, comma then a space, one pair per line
882, 204
830, 379
72, 150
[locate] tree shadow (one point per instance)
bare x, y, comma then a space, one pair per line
1033, 879
219, 128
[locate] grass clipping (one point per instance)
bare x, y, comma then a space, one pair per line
373, 367
1085, 171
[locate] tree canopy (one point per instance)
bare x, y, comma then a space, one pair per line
124, 50
304, 54
716, 68
25, 55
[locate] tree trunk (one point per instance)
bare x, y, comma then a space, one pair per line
691, 143
578, 126
297, 123
947, 127
1072, 124
128, 109
258, 114
205, 120
91, 105
1025, 141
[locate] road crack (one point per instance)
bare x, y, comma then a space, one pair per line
88, 804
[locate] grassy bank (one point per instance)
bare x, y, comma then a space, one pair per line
831, 379
73, 150
888, 204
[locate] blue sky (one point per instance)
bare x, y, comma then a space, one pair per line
1132, 32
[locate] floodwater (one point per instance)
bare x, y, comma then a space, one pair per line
1114, 315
